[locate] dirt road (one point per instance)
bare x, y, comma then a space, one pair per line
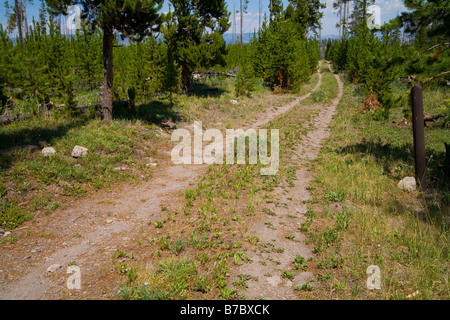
93, 228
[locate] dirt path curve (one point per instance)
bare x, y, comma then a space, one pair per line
93, 228
266, 271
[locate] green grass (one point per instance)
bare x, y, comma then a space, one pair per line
318, 96
11, 215
33, 177
171, 279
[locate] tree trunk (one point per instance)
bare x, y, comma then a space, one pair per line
25, 16
108, 39
271, 11
364, 10
242, 18
234, 22
340, 20
185, 77
260, 14
348, 15
19, 18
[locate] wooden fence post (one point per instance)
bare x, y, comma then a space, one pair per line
419, 137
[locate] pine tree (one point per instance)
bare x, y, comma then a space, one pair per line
6, 61
312, 47
359, 12
43, 14
431, 13
87, 45
131, 18
343, 11
15, 15
306, 14
428, 21
243, 10
361, 48
197, 35
275, 9
56, 79
35, 67
280, 55
171, 75
369, 62
245, 77
156, 58
18, 10
328, 49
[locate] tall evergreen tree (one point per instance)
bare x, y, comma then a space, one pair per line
281, 56
343, 11
15, 15
434, 14
275, 9
87, 65
428, 21
306, 14
197, 35
244, 10
171, 71
131, 18
43, 13
6, 61
359, 12
171, 74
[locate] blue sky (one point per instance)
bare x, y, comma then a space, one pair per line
389, 9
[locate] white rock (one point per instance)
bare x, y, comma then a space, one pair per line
6, 234
48, 151
234, 101
78, 151
152, 164
120, 169
408, 183
53, 268
109, 220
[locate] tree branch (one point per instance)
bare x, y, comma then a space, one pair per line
423, 83
435, 46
